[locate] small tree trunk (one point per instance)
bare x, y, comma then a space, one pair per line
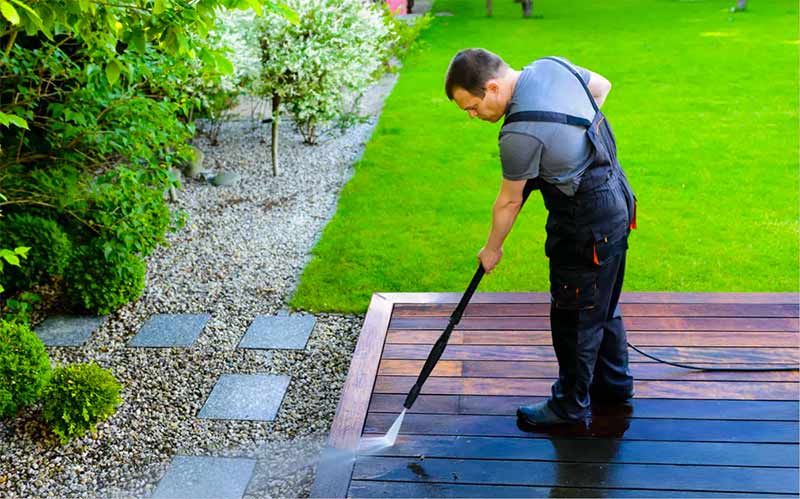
488, 8
276, 112
741, 4
527, 7
173, 195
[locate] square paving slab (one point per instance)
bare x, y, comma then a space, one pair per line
170, 330
67, 330
199, 477
254, 397
282, 331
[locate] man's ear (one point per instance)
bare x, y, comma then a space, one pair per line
492, 86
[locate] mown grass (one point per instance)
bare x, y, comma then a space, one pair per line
705, 109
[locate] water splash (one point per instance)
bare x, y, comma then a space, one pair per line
391, 435
373, 445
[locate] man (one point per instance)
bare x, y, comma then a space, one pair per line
554, 138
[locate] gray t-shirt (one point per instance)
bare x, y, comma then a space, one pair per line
555, 152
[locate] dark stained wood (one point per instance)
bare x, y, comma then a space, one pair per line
737, 324
585, 475
673, 430
549, 370
333, 481
627, 297
685, 434
390, 367
375, 488
750, 390
693, 355
628, 310
505, 405
595, 450
638, 338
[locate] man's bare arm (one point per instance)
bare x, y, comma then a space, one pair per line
599, 87
504, 212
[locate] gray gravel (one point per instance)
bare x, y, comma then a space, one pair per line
239, 256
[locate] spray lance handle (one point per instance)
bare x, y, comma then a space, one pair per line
441, 343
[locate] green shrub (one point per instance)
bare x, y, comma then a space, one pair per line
11, 257
405, 35
49, 254
24, 367
18, 309
78, 397
6, 402
98, 283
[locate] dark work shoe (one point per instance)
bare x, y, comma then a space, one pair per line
540, 414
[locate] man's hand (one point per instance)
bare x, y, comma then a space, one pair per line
489, 258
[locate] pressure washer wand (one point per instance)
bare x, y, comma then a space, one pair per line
441, 343
438, 348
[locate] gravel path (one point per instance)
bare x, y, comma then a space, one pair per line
239, 256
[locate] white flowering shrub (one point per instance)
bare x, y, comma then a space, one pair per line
237, 31
215, 91
330, 56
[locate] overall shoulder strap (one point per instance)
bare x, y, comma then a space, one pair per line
575, 73
554, 117
550, 116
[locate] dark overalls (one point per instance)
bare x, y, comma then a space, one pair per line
587, 239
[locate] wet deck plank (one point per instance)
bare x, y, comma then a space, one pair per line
687, 433
549, 370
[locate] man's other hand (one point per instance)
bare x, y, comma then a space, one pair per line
489, 258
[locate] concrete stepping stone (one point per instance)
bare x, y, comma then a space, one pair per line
279, 332
67, 330
225, 178
254, 397
201, 477
170, 330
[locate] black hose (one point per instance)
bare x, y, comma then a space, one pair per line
698, 368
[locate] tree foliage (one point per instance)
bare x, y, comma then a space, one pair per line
96, 111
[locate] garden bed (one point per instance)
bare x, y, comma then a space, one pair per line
239, 256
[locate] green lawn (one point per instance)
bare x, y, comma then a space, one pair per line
705, 110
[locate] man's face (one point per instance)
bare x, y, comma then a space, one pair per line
488, 108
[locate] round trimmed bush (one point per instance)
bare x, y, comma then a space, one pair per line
50, 250
100, 285
78, 397
24, 367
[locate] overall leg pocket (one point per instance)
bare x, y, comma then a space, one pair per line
608, 243
573, 287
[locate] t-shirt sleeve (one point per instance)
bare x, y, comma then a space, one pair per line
520, 156
583, 72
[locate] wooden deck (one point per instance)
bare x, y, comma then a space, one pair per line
689, 434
